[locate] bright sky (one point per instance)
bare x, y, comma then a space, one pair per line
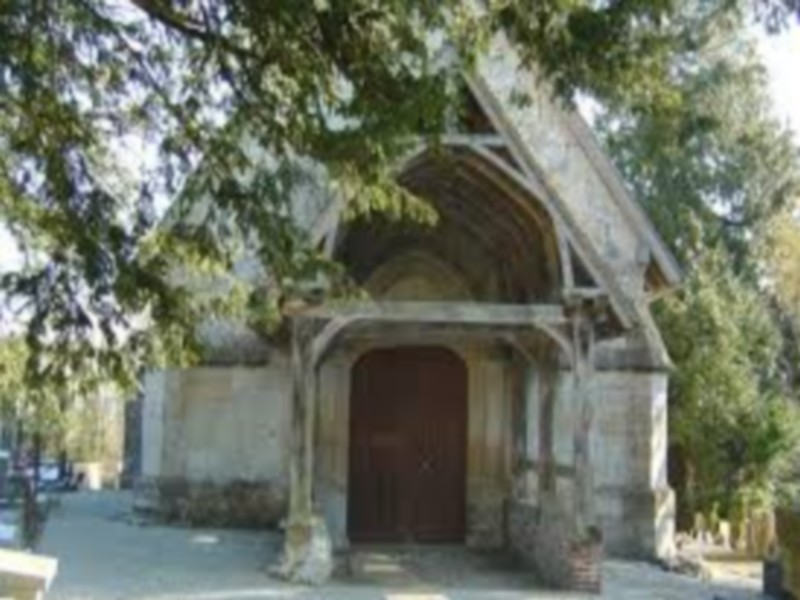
781, 55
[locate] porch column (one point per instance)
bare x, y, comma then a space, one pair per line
307, 553
583, 371
554, 535
547, 372
542, 358
586, 545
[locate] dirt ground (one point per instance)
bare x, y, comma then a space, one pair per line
105, 554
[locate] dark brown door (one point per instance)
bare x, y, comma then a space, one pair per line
408, 422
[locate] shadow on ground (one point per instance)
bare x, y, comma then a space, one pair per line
105, 554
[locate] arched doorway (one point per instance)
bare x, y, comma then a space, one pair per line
408, 430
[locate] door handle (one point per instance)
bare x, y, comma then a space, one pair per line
425, 466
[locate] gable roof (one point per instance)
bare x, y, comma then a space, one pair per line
550, 151
662, 255
553, 143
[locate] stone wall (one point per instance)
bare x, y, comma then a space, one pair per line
210, 432
251, 504
539, 536
634, 504
217, 424
629, 448
557, 143
215, 444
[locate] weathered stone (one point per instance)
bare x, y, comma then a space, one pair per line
317, 565
542, 538
700, 527
307, 555
688, 562
723, 537
564, 258
235, 504
26, 576
485, 520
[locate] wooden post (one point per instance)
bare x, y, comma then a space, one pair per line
548, 374
583, 370
542, 357
301, 523
301, 468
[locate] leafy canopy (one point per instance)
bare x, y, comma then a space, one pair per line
718, 176
107, 105
728, 407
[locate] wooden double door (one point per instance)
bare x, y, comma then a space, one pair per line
408, 429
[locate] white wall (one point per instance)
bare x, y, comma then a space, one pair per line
628, 452
217, 423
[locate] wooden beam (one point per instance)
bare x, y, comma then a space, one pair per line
443, 313
490, 140
423, 319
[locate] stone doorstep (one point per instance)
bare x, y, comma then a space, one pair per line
26, 575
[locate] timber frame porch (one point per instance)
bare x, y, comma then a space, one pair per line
542, 334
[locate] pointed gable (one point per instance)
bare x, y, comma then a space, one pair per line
556, 147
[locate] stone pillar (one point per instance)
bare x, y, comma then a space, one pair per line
307, 555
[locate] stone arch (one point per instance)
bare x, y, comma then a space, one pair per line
416, 275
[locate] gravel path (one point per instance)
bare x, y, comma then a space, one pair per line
104, 555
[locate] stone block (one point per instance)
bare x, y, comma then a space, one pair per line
26, 576
637, 524
724, 534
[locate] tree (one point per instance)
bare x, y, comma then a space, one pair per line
781, 253
713, 166
13, 356
714, 171
346, 83
36, 411
729, 411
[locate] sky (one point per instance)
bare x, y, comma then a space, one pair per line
781, 56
